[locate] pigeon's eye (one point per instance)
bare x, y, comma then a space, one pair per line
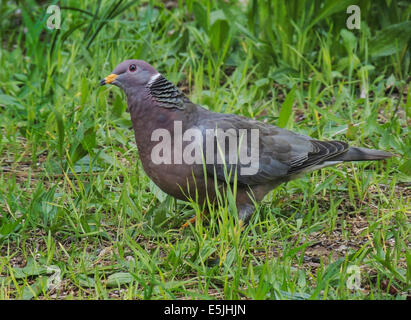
132, 67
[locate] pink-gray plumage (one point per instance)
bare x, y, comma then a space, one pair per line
154, 102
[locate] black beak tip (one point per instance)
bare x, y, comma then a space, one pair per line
102, 82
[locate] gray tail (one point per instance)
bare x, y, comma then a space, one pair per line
362, 154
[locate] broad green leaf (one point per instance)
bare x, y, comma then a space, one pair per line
89, 141
406, 167
160, 213
118, 106
32, 291
350, 40
219, 29
330, 7
7, 100
286, 108
391, 39
8, 227
31, 269
84, 91
60, 132
86, 281
200, 15
118, 279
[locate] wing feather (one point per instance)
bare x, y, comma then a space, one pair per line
281, 153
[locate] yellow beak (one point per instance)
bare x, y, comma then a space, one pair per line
109, 79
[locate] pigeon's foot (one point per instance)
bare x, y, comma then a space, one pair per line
245, 211
193, 219
188, 222
242, 224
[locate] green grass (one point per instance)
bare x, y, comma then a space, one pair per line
79, 219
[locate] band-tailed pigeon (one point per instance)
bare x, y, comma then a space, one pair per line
160, 112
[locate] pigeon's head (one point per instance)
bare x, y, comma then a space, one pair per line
131, 74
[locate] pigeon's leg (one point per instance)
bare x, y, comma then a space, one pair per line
245, 211
245, 205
